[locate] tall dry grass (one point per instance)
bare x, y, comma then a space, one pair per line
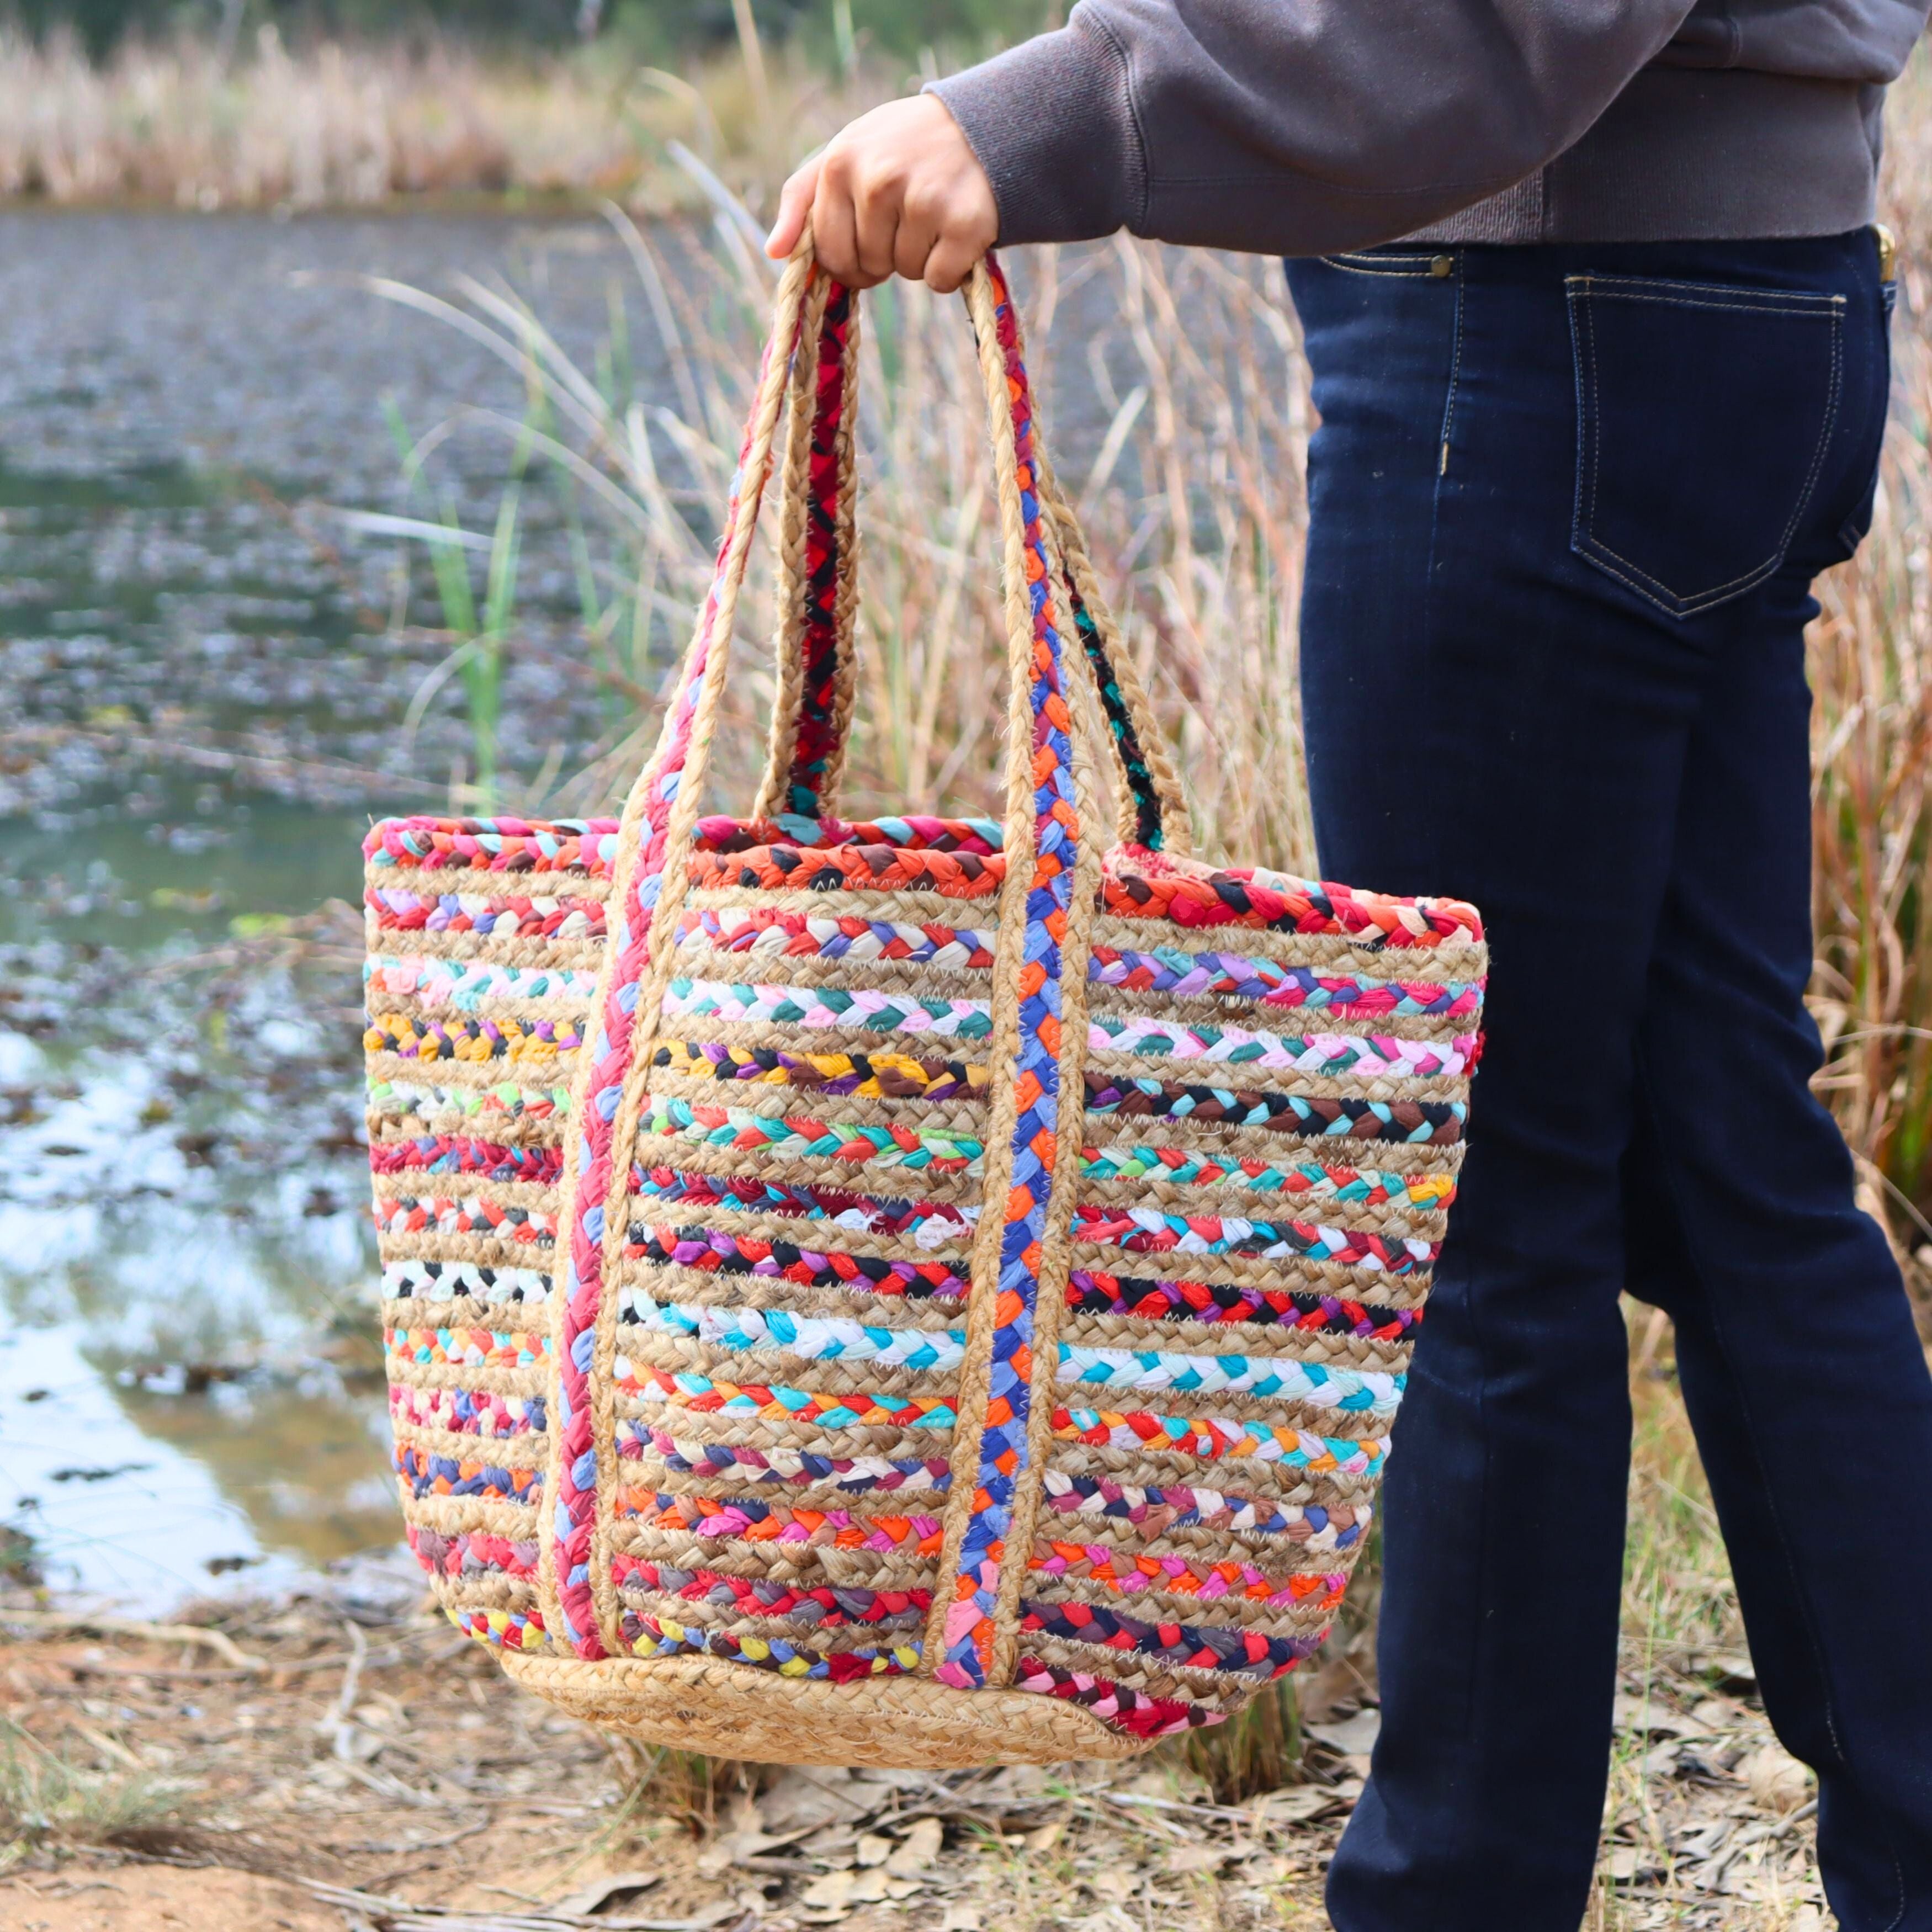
1871, 662
347, 124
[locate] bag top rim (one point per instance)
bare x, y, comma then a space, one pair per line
1137, 882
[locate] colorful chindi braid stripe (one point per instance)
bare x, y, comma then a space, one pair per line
1156, 1509
970, 1630
855, 1475
712, 1251
922, 1252
823, 1608
1093, 1293
861, 942
664, 1636
499, 917
706, 1395
871, 1076
803, 1138
1271, 982
821, 1007
753, 1519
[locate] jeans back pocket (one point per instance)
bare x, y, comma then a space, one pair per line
1704, 412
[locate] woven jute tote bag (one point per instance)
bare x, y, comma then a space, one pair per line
923, 1292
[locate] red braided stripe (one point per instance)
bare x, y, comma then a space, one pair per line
1248, 895
1092, 1291
1214, 1582
471, 1551
816, 743
753, 1596
491, 844
401, 909
407, 1215
1124, 1709
460, 1154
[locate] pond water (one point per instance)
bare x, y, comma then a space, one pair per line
201, 716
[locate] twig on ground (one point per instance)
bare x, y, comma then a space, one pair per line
217, 1641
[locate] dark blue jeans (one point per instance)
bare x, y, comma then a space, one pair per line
1567, 504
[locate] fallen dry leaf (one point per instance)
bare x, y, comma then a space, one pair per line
1197, 1858
800, 1798
588, 1900
1354, 1737
1294, 1805
917, 1849
1778, 1782
833, 1892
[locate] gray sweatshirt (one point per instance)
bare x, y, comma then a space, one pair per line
1301, 126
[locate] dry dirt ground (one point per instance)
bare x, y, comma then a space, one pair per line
290, 1768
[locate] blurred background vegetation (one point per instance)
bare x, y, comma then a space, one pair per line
656, 30
296, 104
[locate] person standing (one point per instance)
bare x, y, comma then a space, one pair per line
1597, 321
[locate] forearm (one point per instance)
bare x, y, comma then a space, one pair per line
1290, 126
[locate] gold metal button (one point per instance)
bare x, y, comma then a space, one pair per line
1888, 251
1442, 265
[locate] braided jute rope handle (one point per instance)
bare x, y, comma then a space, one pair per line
818, 564
1021, 1253
815, 644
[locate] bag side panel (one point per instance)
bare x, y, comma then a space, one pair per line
484, 937
1275, 1100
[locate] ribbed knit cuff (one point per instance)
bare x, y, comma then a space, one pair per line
1052, 123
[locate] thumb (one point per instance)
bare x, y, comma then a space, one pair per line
794, 205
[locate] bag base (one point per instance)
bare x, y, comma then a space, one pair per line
901, 1724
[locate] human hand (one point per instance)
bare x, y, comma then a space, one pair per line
897, 191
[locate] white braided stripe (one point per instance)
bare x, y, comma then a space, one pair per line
736, 931
834, 1338
1372, 1056
499, 917
819, 1007
814, 1338
419, 1280
472, 1214
467, 983
780, 1464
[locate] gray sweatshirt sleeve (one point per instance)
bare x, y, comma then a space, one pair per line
1290, 126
